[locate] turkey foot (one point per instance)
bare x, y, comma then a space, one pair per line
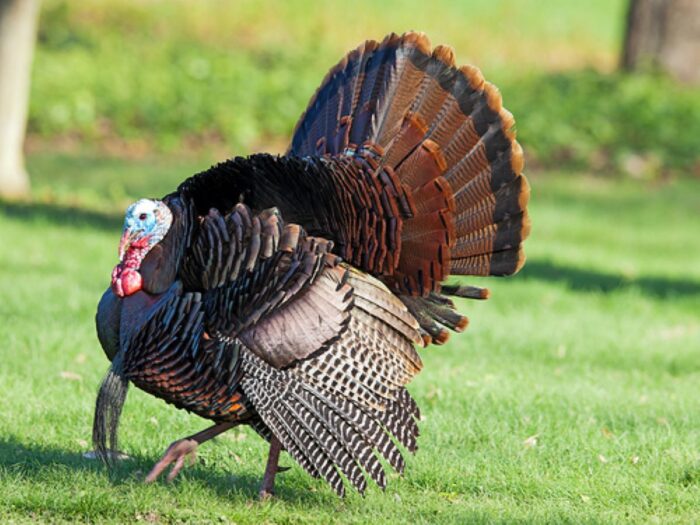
180, 450
177, 452
267, 489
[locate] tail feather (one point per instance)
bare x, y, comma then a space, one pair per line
493, 238
510, 199
505, 262
465, 291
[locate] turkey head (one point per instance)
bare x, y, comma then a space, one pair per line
146, 224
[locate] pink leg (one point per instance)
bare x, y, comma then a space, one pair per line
179, 450
268, 483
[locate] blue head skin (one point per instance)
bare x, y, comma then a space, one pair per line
146, 223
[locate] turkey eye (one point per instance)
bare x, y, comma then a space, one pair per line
142, 217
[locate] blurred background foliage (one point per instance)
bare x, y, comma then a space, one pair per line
166, 76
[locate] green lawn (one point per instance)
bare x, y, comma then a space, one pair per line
572, 397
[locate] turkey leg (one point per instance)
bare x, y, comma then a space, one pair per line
179, 450
268, 483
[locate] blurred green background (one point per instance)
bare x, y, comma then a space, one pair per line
571, 398
233, 76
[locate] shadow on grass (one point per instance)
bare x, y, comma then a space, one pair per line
595, 281
30, 461
61, 215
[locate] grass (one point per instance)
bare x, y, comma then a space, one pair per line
572, 397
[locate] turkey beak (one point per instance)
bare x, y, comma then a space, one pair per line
128, 237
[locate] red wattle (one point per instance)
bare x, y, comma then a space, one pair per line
126, 281
131, 281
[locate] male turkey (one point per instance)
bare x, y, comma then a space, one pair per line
287, 292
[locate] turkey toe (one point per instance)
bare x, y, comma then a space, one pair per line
177, 453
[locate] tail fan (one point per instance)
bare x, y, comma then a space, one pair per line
443, 131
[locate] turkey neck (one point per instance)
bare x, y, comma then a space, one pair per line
160, 267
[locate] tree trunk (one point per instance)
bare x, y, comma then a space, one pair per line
18, 20
664, 34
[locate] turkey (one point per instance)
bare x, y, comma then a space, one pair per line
289, 292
